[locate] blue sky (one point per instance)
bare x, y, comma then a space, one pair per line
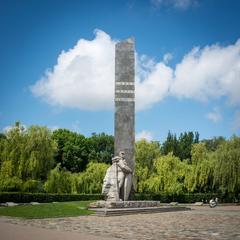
57, 64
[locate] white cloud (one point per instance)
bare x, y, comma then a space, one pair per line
215, 115
84, 76
155, 85
144, 135
167, 57
178, 4
211, 72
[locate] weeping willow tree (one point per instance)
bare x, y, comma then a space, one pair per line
199, 174
168, 176
227, 170
91, 180
60, 181
11, 149
37, 157
146, 153
26, 153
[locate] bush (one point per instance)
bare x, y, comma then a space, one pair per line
45, 197
91, 180
32, 186
187, 198
164, 198
59, 181
12, 184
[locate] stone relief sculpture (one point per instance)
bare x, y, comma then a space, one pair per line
118, 179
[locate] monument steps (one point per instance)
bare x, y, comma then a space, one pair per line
129, 211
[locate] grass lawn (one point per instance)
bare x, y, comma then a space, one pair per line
48, 210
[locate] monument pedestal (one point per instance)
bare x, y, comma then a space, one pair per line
116, 208
124, 204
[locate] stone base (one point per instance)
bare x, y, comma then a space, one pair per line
105, 212
124, 204
117, 208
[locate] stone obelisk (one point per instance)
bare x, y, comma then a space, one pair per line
125, 100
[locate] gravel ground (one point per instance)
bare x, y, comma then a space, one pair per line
222, 222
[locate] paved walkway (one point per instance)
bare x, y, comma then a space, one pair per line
202, 223
12, 231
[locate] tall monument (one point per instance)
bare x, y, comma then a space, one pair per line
124, 124
118, 180
125, 100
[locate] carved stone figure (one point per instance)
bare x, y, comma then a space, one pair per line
118, 179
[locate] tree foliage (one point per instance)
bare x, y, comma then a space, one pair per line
199, 174
35, 159
214, 143
27, 153
170, 145
101, 148
60, 181
10, 184
146, 152
91, 180
180, 147
227, 169
168, 176
73, 150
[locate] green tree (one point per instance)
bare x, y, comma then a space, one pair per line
170, 145
227, 169
180, 147
27, 152
186, 140
37, 156
91, 180
168, 176
10, 184
145, 153
33, 186
101, 148
73, 150
7, 169
11, 149
60, 181
199, 174
214, 143
2, 136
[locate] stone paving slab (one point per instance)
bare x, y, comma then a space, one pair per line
222, 222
